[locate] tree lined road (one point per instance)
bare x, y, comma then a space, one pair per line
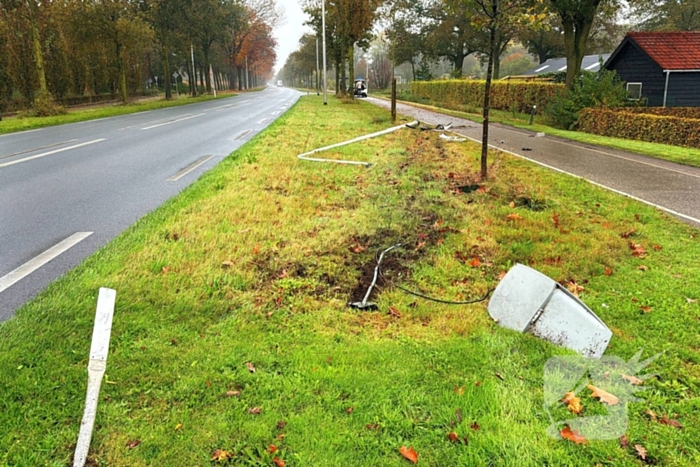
65, 191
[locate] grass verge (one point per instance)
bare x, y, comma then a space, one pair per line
14, 124
232, 338
687, 156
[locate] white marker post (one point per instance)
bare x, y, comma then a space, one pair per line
96, 371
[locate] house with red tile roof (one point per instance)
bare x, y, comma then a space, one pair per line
661, 67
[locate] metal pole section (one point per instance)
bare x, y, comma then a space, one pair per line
317, 68
323, 27
246, 72
668, 73
393, 100
194, 73
96, 370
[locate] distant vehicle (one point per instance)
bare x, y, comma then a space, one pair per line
360, 88
279, 83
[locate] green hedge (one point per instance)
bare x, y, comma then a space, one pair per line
676, 131
683, 112
517, 96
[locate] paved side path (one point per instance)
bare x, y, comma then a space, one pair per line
674, 188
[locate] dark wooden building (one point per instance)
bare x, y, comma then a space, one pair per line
662, 67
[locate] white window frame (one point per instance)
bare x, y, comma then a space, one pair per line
630, 94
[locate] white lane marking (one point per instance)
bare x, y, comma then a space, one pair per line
218, 109
38, 149
8, 280
173, 121
242, 135
276, 112
20, 132
262, 122
626, 158
154, 121
189, 169
6, 164
641, 200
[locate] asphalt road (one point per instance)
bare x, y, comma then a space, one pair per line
66, 191
674, 188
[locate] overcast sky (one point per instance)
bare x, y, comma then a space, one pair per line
289, 33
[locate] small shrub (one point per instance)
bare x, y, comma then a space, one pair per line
602, 89
45, 106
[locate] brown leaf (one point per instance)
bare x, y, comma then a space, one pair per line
641, 451
358, 248
452, 436
691, 300
501, 275
419, 245
514, 216
670, 422
608, 271
627, 234
372, 426
281, 424
499, 376
572, 402
646, 309
555, 219
512, 204
165, 270
278, 462
394, 312
227, 264
459, 390
409, 454
133, 444
651, 414
574, 288
233, 393
221, 455
572, 435
178, 427
657, 247
475, 426
458, 415
281, 436
633, 380
255, 410
624, 442
642, 267
478, 383
272, 449
604, 396
250, 367
638, 250
474, 262
256, 249
350, 409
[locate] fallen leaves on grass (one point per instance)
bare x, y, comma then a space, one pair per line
572, 402
350, 409
452, 436
250, 367
555, 219
651, 414
574, 288
642, 267
641, 451
499, 376
255, 410
220, 455
394, 312
256, 249
133, 444
624, 442
633, 380
638, 250
628, 234
670, 422
459, 390
178, 427
475, 426
409, 453
233, 393
604, 396
474, 262
281, 424
272, 449
358, 248
573, 435
278, 462
645, 309
657, 247
514, 216
691, 300
372, 426
608, 271
227, 264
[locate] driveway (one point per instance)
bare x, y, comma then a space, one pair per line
671, 187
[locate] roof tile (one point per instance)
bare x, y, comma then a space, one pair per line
679, 50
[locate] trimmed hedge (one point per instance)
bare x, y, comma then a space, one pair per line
683, 112
676, 131
517, 96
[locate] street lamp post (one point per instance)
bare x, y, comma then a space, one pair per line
317, 87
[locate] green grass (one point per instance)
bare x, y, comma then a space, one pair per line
13, 124
687, 156
255, 263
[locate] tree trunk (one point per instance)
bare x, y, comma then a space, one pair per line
351, 66
575, 37
487, 95
337, 77
38, 54
166, 72
207, 80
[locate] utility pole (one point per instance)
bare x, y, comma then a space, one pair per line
323, 27
317, 87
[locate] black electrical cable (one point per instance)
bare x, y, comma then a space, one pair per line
418, 294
